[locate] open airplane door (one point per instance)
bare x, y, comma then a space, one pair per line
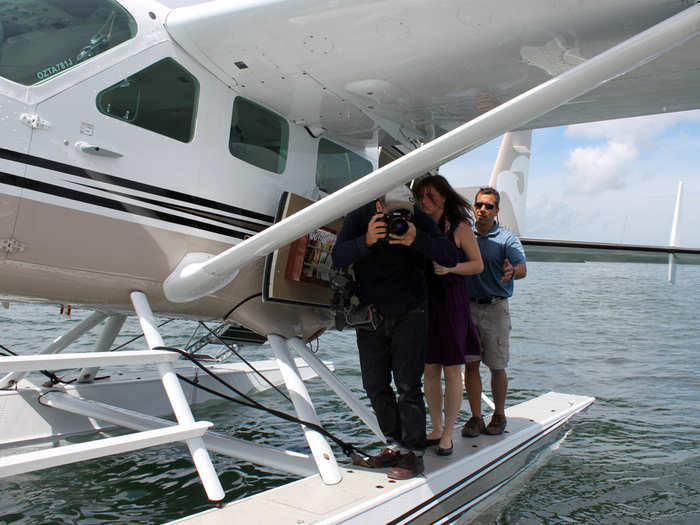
298, 273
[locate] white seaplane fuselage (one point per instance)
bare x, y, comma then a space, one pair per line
94, 206
96, 203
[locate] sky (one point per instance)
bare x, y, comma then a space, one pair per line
613, 181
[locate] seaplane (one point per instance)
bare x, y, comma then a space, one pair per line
193, 160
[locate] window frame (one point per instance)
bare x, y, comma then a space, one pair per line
346, 151
65, 64
282, 156
132, 120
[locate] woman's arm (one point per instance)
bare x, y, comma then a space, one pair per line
466, 240
429, 241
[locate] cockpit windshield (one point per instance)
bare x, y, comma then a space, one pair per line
42, 38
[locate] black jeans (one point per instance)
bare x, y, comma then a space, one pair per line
398, 346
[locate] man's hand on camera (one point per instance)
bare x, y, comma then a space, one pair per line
376, 229
407, 238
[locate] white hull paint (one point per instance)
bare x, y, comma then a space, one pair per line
450, 488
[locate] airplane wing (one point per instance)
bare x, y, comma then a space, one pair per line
408, 72
411, 70
576, 251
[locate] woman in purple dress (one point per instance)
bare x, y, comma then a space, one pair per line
452, 336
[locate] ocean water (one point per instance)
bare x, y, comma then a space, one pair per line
618, 332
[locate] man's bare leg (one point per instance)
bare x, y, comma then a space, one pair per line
472, 383
499, 387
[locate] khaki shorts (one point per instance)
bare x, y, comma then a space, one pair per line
493, 324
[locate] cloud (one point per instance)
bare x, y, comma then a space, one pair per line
464, 171
635, 130
549, 217
608, 182
597, 168
613, 164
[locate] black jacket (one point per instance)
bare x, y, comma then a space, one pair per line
392, 276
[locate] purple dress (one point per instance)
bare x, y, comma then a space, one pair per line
452, 334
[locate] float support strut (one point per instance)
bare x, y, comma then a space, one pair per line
181, 408
320, 449
109, 334
58, 344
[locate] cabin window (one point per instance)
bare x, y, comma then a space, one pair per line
41, 38
161, 98
337, 167
258, 136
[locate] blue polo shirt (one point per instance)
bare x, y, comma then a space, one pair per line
495, 246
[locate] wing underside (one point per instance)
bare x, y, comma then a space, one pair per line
412, 70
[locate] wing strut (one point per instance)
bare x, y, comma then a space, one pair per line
198, 275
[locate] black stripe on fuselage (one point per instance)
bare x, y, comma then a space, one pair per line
76, 171
232, 221
87, 198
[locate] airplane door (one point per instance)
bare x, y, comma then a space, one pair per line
15, 133
105, 163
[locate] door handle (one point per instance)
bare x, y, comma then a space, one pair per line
93, 149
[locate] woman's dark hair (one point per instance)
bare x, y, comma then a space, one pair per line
457, 208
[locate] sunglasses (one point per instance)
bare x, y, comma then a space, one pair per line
486, 205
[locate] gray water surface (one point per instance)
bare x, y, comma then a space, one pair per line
618, 332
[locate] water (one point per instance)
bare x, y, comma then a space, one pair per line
620, 333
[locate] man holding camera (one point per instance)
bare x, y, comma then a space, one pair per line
391, 242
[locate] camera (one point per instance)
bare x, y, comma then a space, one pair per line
396, 223
346, 311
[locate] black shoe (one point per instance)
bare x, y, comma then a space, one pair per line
445, 451
429, 442
409, 466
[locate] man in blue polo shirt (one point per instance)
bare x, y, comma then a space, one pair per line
504, 261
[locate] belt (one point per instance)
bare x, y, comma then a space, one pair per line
487, 300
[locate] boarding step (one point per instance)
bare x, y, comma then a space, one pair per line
242, 335
228, 335
29, 363
54, 457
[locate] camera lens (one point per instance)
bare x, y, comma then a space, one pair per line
398, 226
